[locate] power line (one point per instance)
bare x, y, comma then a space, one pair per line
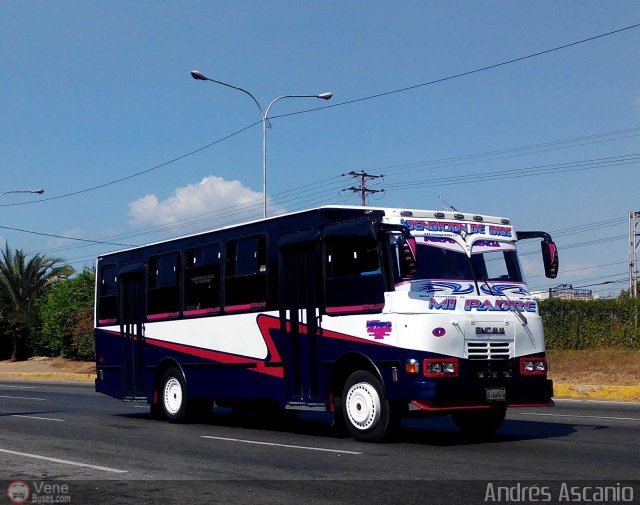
293, 195
334, 105
457, 161
580, 269
589, 279
136, 174
572, 166
462, 74
62, 237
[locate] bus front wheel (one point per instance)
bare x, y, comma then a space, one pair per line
366, 411
173, 396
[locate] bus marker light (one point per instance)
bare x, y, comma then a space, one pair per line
412, 367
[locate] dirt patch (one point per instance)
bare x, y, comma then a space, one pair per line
40, 364
613, 367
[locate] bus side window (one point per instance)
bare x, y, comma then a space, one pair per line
202, 280
354, 275
246, 274
164, 286
403, 257
108, 295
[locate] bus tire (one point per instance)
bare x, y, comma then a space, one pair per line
173, 396
479, 423
365, 409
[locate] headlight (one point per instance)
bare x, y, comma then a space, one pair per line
533, 366
441, 367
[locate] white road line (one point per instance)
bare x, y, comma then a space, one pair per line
63, 461
36, 417
281, 445
8, 386
141, 406
581, 417
594, 401
23, 398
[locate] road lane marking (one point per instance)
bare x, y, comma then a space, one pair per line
289, 446
63, 461
581, 417
595, 401
23, 398
273, 444
36, 417
10, 386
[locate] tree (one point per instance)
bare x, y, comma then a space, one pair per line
67, 318
23, 281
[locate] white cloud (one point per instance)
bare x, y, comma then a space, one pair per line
208, 196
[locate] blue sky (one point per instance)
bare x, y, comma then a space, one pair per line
93, 92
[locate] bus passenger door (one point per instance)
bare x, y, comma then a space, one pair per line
133, 310
299, 287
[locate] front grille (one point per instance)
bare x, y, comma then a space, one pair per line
484, 349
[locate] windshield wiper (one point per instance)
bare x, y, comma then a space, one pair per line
494, 291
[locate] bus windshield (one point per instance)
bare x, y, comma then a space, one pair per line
443, 258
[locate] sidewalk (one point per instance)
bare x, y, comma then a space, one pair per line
585, 392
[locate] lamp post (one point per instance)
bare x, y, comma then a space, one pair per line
33, 191
264, 114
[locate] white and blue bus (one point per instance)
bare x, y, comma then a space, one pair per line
373, 314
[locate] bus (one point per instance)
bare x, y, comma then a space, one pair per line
372, 314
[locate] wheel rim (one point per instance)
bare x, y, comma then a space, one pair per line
172, 395
363, 406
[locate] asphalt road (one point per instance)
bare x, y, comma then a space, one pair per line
109, 452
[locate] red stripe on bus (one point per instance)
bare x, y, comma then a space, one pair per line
354, 308
246, 306
200, 312
163, 316
219, 357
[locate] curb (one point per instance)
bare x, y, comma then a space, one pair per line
615, 393
48, 376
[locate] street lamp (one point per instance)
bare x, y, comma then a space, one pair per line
264, 114
33, 191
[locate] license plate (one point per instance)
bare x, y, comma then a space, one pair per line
496, 394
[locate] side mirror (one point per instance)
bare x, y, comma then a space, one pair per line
550, 258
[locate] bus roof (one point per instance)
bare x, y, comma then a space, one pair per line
390, 213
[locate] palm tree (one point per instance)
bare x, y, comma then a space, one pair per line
23, 281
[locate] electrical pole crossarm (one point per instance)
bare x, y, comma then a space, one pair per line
363, 190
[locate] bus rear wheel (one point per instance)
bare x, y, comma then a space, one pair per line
173, 396
365, 409
479, 423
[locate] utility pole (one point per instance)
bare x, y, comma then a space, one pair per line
634, 242
363, 190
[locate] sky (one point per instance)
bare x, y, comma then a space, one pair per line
98, 108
